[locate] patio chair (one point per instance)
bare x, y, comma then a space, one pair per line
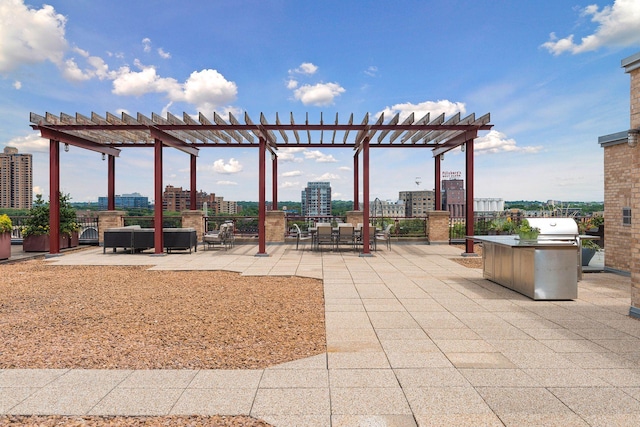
230, 234
372, 237
324, 236
346, 235
211, 239
300, 237
384, 236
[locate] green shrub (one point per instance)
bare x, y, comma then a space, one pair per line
5, 223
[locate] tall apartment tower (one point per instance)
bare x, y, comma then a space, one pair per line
453, 197
316, 199
16, 179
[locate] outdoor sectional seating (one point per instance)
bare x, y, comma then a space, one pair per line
135, 239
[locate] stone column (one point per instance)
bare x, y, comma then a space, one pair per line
438, 227
194, 219
109, 219
275, 226
632, 67
355, 217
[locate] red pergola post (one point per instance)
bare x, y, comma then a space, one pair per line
157, 210
54, 197
274, 181
356, 183
111, 183
194, 191
469, 202
438, 183
365, 196
262, 215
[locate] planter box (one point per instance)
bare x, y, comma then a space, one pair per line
5, 245
41, 243
36, 243
587, 254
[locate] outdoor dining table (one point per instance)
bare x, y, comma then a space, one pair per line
334, 232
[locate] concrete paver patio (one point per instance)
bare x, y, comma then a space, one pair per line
413, 338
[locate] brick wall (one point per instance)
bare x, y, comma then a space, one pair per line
617, 195
438, 227
194, 219
275, 226
632, 66
109, 219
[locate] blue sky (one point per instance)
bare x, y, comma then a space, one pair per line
548, 71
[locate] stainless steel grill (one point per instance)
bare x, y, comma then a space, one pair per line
555, 229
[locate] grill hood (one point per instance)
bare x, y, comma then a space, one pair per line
555, 228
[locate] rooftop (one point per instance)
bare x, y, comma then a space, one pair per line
412, 336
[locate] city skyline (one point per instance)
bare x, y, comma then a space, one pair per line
548, 73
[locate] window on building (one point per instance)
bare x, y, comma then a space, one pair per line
626, 216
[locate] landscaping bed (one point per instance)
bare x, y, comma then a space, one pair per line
99, 317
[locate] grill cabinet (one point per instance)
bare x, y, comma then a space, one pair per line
542, 269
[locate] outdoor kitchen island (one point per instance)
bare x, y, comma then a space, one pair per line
543, 269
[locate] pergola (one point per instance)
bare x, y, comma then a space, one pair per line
109, 135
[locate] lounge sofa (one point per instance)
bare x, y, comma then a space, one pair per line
135, 239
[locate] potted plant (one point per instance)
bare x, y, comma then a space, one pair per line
5, 236
589, 249
526, 231
35, 232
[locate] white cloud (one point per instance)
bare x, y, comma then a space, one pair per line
617, 26
289, 184
292, 173
434, 107
326, 177
289, 154
30, 143
208, 89
30, 35
319, 156
233, 166
17, 85
344, 168
292, 84
320, 94
497, 142
146, 44
226, 183
371, 71
306, 68
163, 54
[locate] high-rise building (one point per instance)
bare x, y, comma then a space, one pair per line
16, 179
454, 198
316, 199
417, 203
176, 199
125, 201
225, 206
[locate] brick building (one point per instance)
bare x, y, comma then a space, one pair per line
622, 191
454, 198
176, 199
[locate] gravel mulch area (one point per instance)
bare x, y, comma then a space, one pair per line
470, 262
99, 317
